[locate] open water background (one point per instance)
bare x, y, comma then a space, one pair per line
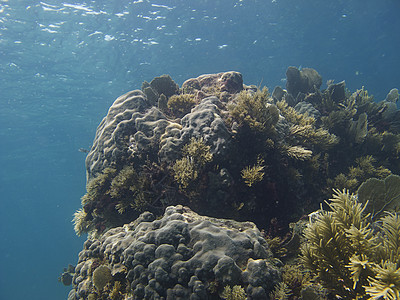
62, 64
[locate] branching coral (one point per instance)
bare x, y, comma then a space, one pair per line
235, 293
81, 224
255, 110
184, 171
253, 174
128, 189
364, 168
97, 186
281, 292
196, 155
298, 152
199, 151
109, 192
181, 104
348, 256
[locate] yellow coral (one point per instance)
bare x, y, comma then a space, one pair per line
281, 292
196, 155
199, 151
348, 256
253, 174
298, 152
80, 223
255, 110
101, 276
181, 104
386, 285
292, 116
235, 293
97, 186
184, 171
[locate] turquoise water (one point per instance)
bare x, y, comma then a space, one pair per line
63, 63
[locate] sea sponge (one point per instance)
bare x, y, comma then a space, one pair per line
101, 276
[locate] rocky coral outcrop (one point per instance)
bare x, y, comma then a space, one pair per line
203, 121
183, 255
110, 143
226, 150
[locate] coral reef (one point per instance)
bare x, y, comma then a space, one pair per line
309, 141
182, 255
304, 81
230, 150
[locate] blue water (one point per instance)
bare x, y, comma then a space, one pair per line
63, 63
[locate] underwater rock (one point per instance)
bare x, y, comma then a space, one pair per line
305, 81
179, 255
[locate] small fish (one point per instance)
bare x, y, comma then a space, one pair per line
83, 150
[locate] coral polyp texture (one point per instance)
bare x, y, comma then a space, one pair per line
234, 151
181, 256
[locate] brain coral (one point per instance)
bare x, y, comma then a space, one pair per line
183, 255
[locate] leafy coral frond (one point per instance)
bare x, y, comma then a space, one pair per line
253, 174
391, 230
386, 284
298, 152
80, 224
235, 293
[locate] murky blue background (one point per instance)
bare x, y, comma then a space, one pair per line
63, 63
